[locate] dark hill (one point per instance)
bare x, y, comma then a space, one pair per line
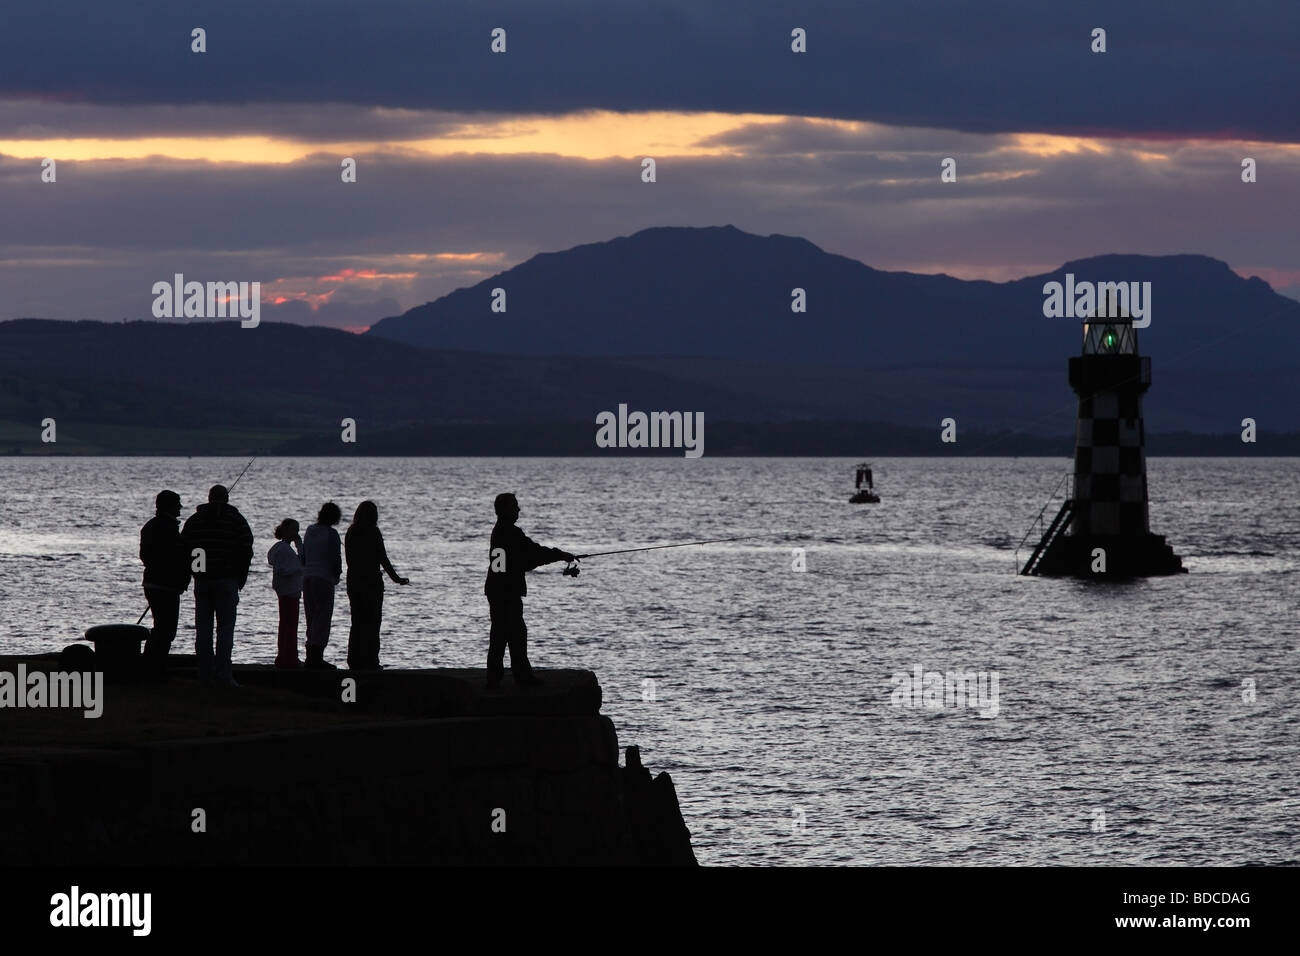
196, 375
667, 319
723, 293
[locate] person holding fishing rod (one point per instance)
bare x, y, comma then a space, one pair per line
512, 554
166, 578
224, 542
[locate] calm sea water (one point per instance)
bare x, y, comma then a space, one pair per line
1122, 736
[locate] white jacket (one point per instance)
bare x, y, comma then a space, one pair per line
287, 564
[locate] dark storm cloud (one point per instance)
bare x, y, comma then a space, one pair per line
1197, 67
35, 119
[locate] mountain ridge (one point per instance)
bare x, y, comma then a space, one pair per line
672, 318
720, 292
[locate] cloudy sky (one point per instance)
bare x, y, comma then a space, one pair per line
225, 165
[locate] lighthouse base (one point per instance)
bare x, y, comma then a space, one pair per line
1126, 556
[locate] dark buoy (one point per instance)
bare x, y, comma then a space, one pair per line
1103, 528
864, 495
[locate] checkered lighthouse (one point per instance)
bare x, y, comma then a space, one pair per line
1103, 528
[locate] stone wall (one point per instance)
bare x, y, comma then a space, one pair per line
483, 789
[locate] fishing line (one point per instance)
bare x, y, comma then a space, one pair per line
571, 569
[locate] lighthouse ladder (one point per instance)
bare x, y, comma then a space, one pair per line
1053, 530
1065, 490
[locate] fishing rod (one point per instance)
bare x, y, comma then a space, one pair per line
572, 568
242, 473
231, 488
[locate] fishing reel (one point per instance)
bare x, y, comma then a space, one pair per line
571, 569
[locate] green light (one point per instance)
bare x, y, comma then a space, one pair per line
1109, 340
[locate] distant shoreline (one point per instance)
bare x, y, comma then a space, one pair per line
570, 439
1211, 449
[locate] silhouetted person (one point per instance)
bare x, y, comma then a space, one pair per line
367, 559
322, 558
285, 559
857, 484
221, 533
511, 554
166, 576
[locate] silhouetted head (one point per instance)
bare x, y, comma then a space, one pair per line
367, 514
329, 514
168, 503
507, 507
218, 495
286, 530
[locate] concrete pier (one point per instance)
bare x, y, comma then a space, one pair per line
424, 767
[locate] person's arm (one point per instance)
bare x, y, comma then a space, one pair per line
187, 540
185, 572
538, 555
246, 538
336, 556
383, 560
144, 545
181, 558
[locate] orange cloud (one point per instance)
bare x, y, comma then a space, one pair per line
596, 134
307, 288
345, 275
313, 299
